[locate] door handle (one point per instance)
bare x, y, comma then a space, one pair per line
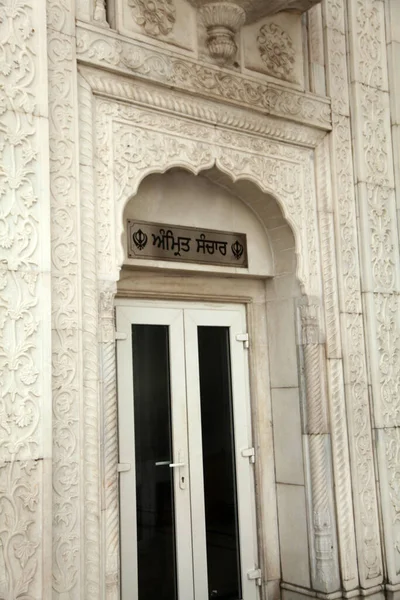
180, 465
164, 463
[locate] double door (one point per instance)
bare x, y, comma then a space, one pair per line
188, 527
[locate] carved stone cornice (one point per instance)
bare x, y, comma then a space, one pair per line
110, 51
257, 9
169, 101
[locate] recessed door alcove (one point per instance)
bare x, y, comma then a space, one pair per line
270, 290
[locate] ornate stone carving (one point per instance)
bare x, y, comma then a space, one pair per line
66, 318
370, 567
100, 15
90, 352
257, 9
276, 50
324, 568
102, 49
387, 322
166, 141
222, 20
369, 39
380, 256
262, 126
338, 421
22, 468
156, 17
198, 145
392, 455
25, 321
109, 403
354, 358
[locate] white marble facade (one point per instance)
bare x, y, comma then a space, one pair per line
287, 114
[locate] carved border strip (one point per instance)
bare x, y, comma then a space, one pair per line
67, 374
347, 261
169, 101
338, 429
91, 351
25, 310
380, 255
104, 49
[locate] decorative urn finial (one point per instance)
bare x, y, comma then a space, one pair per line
222, 20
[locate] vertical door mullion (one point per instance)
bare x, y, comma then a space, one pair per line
196, 459
245, 475
181, 454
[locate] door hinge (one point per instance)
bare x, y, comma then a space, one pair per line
250, 454
119, 335
255, 575
123, 467
243, 337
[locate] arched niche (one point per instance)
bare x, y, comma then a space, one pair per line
212, 200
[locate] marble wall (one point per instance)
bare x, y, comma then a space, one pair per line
299, 107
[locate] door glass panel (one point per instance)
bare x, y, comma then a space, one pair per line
222, 533
154, 481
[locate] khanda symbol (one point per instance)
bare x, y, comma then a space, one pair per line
139, 239
237, 250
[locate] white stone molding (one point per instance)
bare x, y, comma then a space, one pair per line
25, 305
353, 345
65, 277
380, 256
338, 421
91, 413
104, 49
316, 51
108, 382
164, 100
323, 545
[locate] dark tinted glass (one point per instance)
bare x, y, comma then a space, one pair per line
154, 483
222, 534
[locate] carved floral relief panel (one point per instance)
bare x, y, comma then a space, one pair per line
169, 21
274, 46
66, 320
25, 328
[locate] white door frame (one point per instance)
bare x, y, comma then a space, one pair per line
126, 315
183, 318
